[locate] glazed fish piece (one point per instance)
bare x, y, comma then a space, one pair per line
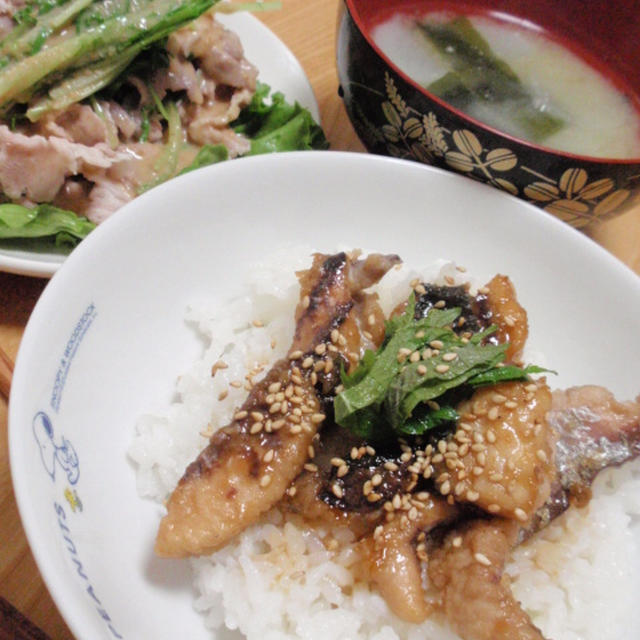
247, 466
593, 431
467, 570
495, 303
500, 457
335, 487
393, 554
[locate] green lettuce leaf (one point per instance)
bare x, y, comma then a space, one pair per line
276, 125
209, 154
43, 221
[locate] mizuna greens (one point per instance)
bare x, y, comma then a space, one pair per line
391, 392
81, 53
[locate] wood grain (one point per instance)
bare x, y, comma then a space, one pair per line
6, 373
15, 626
308, 29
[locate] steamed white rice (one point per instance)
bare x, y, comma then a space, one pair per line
579, 579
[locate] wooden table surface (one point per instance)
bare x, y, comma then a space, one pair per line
308, 29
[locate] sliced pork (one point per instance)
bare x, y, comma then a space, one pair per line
110, 147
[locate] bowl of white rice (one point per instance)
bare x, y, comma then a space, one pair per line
113, 395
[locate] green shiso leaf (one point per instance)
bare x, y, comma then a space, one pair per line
388, 394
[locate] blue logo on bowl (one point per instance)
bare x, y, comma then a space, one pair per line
55, 451
61, 460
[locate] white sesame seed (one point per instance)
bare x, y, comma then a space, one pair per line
482, 559
520, 514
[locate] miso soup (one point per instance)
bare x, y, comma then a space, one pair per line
514, 78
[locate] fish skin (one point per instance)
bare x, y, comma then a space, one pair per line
594, 431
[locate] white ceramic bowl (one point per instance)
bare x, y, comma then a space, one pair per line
107, 340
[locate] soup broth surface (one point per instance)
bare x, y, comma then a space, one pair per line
586, 113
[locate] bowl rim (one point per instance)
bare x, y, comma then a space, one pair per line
366, 34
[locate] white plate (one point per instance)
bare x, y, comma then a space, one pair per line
278, 68
107, 339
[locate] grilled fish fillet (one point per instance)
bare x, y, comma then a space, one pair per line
247, 466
